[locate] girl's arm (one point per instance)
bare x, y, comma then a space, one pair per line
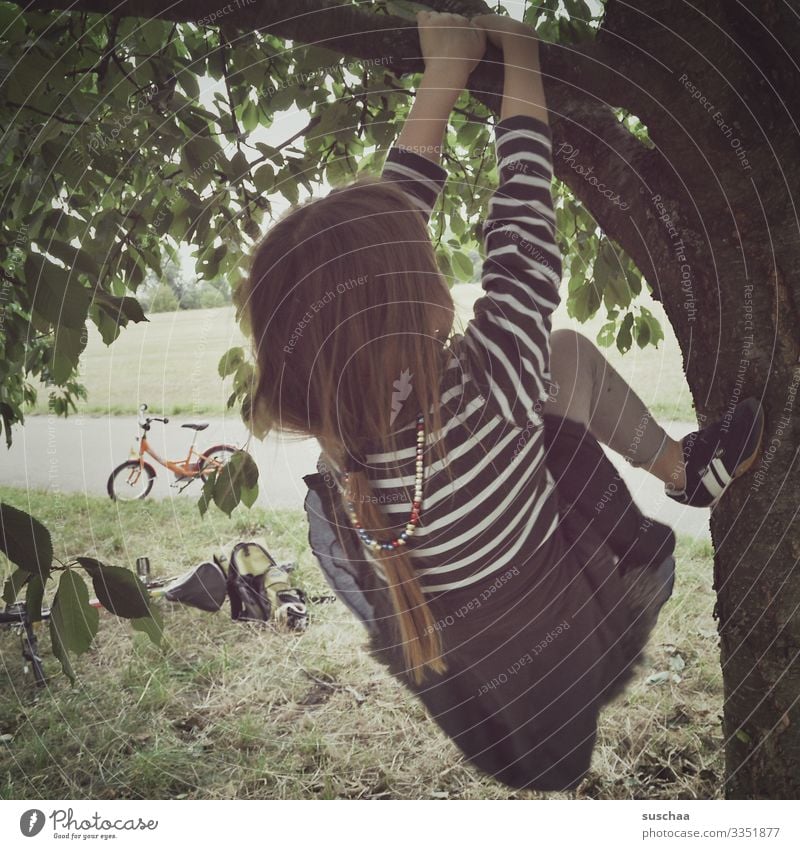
509, 335
451, 48
523, 92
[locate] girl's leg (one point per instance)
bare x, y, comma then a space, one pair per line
587, 389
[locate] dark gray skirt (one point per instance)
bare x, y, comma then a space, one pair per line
536, 653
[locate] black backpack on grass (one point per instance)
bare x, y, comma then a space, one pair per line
259, 588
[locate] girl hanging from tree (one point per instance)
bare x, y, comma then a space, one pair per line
464, 509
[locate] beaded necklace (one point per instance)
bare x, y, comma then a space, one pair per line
416, 505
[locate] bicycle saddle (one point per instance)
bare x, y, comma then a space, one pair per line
199, 426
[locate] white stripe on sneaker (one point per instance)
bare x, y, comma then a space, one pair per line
718, 467
709, 481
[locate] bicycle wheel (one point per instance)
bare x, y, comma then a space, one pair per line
131, 481
215, 458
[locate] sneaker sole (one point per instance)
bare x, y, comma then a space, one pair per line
755, 451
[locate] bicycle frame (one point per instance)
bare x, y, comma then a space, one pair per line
190, 467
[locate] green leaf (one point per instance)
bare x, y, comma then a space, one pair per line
239, 473
108, 327
642, 331
57, 295
230, 361
60, 651
67, 349
74, 258
201, 153
469, 133
128, 308
315, 58
14, 584
118, 590
264, 178
239, 166
250, 116
656, 331
609, 277
287, 186
249, 496
331, 118
742, 736
624, 337
445, 266
188, 82
462, 265
207, 495
152, 625
283, 98
73, 618
607, 334
585, 303
33, 598
25, 541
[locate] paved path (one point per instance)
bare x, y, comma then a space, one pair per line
78, 453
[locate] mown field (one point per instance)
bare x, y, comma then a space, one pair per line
171, 361
226, 710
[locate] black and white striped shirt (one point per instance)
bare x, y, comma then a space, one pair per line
495, 504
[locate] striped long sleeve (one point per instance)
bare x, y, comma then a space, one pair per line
495, 506
509, 336
420, 178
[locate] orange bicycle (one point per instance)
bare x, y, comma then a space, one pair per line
134, 479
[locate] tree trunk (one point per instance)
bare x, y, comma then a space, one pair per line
709, 216
720, 109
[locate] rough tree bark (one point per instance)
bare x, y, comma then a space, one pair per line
708, 214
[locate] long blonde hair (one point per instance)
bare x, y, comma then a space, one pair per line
339, 300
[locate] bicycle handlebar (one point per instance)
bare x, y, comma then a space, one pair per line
144, 421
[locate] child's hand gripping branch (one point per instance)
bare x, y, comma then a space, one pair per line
523, 93
451, 48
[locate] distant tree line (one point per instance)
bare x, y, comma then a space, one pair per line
173, 290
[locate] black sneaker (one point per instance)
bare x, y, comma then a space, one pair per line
716, 455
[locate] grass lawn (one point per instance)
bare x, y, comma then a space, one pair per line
230, 710
171, 363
